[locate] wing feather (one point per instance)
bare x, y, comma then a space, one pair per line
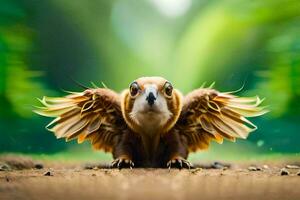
211, 115
93, 115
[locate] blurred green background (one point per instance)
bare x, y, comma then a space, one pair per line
43, 44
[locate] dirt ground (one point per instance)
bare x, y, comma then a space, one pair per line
65, 181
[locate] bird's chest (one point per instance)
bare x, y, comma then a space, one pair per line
151, 150
150, 142
150, 124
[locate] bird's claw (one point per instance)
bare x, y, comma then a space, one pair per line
179, 162
122, 163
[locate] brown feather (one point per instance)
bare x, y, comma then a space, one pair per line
210, 115
84, 116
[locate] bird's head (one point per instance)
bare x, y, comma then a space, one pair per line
151, 104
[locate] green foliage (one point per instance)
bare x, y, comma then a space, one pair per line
19, 85
16, 40
281, 81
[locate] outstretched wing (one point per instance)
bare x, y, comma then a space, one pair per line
211, 115
94, 115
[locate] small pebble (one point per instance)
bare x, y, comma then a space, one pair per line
298, 173
284, 172
7, 179
217, 165
39, 166
225, 168
265, 166
93, 174
88, 166
48, 174
194, 171
292, 166
252, 168
4, 167
258, 169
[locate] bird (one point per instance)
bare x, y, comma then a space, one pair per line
151, 123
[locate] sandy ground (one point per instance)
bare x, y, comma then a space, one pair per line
76, 182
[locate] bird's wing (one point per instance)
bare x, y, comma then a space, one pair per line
211, 115
94, 115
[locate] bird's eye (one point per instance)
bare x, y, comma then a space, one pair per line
134, 89
168, 89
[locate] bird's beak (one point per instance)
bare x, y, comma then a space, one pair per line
151, 94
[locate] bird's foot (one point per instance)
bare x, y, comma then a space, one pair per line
179, 162
122, 162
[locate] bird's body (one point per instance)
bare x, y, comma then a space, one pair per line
150, 124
